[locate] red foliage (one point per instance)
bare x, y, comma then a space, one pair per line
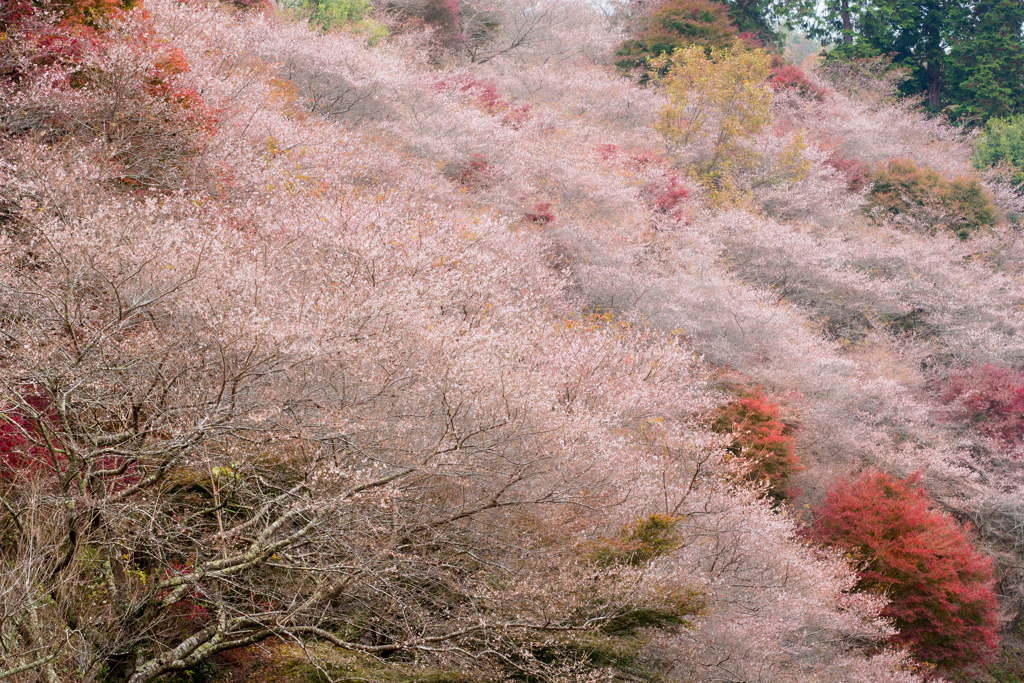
18, 13
760, 436
668, 198
494, 103
790, 76
446, 18
853, 170
541, 213
63, 32
32, 445
989, 398
188, 610
162, 83
607, 151
475, 174
642, 159
25, 431
750, 40
941, 590
48, 34
166, 68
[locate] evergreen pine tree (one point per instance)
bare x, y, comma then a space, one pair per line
986, 67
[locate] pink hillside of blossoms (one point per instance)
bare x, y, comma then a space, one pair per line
323, 359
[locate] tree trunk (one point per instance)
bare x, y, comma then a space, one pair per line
847, 24
934, 85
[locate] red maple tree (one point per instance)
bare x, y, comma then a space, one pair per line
941, 590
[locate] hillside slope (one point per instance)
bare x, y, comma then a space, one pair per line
311, 342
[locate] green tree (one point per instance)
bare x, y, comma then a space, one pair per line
832, 21
755, 17
916, 33
986, 63
330, 15
1002, 143
968, 52
678, 24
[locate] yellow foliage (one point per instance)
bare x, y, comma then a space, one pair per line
792, 164
721, 99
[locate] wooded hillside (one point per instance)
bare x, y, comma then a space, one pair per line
494, 342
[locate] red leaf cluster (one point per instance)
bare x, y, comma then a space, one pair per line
668, 198
33, 446
760, 436
990, 399
25, 431
790, 76
541, 213
475, 174
607, 151
162, 82
63, 33
69, 12
941, 590
48, 33
494, 103
854, 171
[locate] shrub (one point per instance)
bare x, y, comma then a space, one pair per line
1002, 144
541, 213
941, 590
868, 78
669, 196
69, 12
854, 171
922, 196
475, 174
791, 77
678, 24
45, 33
456, 26
251, 5
762, 438
639, 543
351, 15
494, 103
137, 107
901, 186
990, 399
607, 151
